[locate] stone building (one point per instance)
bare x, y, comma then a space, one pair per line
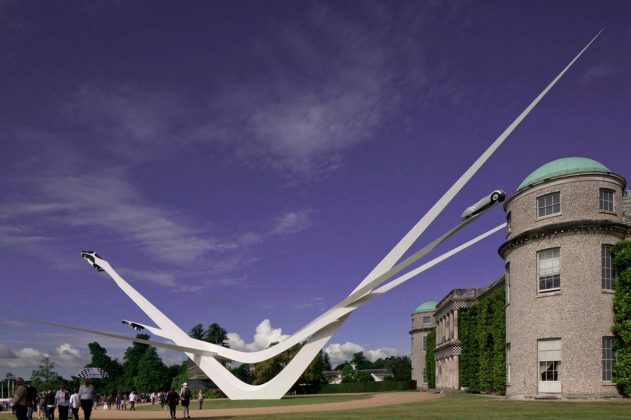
561, 224
562, 221
447, 350
422, 324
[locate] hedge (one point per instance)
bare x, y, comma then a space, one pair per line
364, 387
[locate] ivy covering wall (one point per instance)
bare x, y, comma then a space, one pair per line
483, 340
430, 364
621, 253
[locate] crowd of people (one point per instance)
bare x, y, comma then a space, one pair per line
27, 402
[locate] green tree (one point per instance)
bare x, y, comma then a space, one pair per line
265, 371
360, 362
268, 369
347, 374
621, 253
400, 366
243, 372
178, 374
314, 374
45, 377
152, 372
216, 335
197, 332
100, 359
430, 363
131, 359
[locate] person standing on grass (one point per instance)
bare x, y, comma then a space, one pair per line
172, 399
200, 398
132, 401
86, 394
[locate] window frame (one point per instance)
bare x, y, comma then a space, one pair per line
545, 206
608, 358
554, 374
427, 319
544, 291
607, 269
507, 281
602, 201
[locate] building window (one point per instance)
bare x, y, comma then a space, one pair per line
608, 272
508, 223
507, 282
508, 363
424, 343
549, 204
427, 320
608, 358
424, 375
549, 269
549, 360
606, 199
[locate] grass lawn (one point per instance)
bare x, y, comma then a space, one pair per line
463, 406
289, 400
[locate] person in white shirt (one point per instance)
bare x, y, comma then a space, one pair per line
132, 401
62, 397
86, 394
74, 405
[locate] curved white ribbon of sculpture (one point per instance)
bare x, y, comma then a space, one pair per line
320, 330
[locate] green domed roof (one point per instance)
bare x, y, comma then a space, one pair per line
429, 306
565, 166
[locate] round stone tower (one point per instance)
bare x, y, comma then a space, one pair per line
422, 323
561, 223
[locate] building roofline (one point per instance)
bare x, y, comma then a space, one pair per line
575, 225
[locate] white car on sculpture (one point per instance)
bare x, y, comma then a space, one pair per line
488, 201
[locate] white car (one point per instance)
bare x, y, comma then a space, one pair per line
487, 202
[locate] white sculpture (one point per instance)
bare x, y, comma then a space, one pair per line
316, 333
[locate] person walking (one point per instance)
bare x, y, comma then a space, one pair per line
86, 396
50, 404
185, 396
74, 405
31, 400
19, 399
172, 399
200, 398
62, 400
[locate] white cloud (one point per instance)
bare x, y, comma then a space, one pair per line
340, 353
291, 222
263, 337
600, 71
64, 355
381, 353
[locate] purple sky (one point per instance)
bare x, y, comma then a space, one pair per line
247, 161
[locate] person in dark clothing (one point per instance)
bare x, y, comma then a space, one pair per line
172, 399
50, 404
19, 400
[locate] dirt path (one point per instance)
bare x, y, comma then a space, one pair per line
375, 400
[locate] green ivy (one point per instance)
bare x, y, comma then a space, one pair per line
621, 254
483, 337
430, 363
